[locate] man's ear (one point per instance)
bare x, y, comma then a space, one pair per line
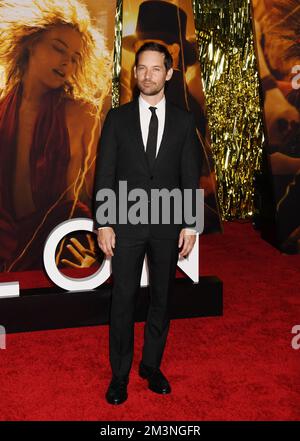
134, 72
169, 74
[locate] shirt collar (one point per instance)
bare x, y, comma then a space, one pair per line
146, 105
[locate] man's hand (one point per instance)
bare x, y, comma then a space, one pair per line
187, 239
106, 240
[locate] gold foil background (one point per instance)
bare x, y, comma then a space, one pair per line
117, 55
231, 85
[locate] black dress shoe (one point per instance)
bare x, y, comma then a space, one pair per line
117, 391
157, 382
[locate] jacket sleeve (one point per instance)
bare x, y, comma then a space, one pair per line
191, 161
105, 173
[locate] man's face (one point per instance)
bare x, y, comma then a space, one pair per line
150, 73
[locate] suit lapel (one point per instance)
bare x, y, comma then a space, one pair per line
164, 141
138, 131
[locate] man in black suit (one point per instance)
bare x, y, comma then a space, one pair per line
150, 144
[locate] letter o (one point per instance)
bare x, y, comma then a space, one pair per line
61, 280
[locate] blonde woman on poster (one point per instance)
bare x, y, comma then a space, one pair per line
55, 74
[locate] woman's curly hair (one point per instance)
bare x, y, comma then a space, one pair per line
23, 22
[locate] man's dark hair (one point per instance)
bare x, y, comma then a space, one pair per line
152, 46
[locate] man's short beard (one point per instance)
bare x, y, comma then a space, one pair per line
151, 93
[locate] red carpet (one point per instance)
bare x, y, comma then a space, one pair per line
237, 367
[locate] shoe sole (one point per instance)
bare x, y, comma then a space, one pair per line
116, 402
161, 392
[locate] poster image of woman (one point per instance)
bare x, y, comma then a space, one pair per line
54, 79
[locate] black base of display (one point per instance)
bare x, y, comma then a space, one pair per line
54, 308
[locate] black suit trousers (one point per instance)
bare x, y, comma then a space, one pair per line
127, 264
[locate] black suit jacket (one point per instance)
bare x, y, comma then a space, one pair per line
122, 157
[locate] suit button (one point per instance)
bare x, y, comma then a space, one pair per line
151, 177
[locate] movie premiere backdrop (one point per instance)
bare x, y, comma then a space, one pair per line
48, 150
172, 24
277, 32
